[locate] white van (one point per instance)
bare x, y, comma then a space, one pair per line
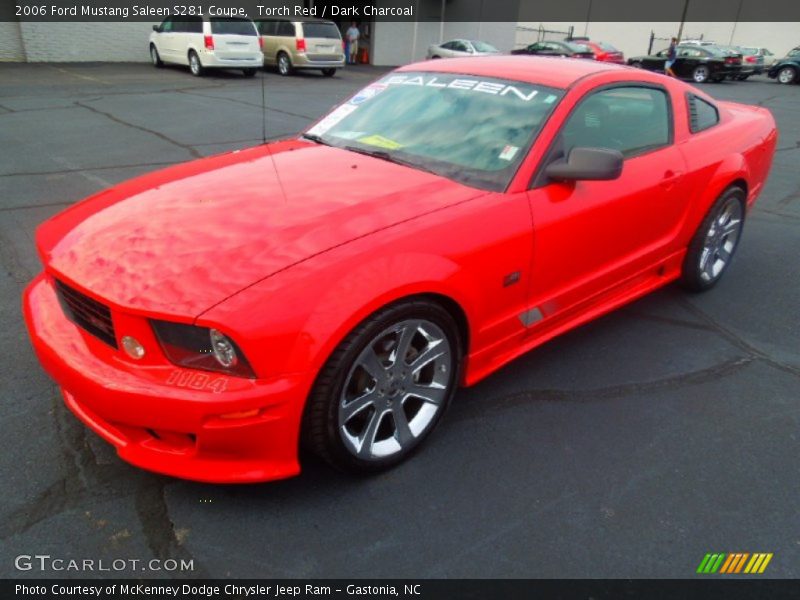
207, 43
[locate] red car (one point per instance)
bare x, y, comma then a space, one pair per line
336, 289
603, 51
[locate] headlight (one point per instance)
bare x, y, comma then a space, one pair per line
201, 348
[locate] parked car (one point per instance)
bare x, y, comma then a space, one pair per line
767, 56
787, 69
461, 48
697, 42
567, 49
207, 43
603, 51
335, 289
695, 62
752, 61
301, 44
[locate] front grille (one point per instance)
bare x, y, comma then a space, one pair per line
87, 314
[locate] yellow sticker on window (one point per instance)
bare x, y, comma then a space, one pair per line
380, 142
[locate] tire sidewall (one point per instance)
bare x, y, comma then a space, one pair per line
698, 70
792, 75
284, 59
691, 273
360, 337
199, 70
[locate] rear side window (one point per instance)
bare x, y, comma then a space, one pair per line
321, 30
266, 27
228, 26
285, 28
189, 25
702, 114
633, 120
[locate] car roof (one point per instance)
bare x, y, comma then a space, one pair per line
548, 71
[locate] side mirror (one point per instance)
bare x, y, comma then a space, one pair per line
156, 28
592, 164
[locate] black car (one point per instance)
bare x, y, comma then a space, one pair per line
695, 62
787, 69
569, 49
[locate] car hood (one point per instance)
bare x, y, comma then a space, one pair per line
181, 240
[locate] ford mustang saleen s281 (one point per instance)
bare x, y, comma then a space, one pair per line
335, 289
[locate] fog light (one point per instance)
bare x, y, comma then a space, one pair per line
132, 347
223, 349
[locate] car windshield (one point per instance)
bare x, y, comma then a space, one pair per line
321, 30
718, 51
748, 51
577, 47
607, 47
475, 130
483, 46
794, 52
232, 26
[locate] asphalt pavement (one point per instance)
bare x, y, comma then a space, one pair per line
630, 447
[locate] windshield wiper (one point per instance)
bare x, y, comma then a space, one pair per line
384, 155
315, 138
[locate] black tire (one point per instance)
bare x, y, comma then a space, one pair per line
321, 432
787, 75
636, 65
743, 77
155, 58
249, 72
692, 273
284, 64
195, 66
329, 72
435, 57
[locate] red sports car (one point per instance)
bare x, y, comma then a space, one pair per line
335, 289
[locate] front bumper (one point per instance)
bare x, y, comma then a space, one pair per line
164, 418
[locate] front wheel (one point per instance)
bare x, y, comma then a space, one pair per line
384, 388
787, 75
711, 250
700, 74
195, 66
329, 72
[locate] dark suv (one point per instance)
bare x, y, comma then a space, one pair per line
787, 69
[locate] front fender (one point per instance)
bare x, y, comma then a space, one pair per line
292, 322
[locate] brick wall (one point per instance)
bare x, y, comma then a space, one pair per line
73, 42
11, 48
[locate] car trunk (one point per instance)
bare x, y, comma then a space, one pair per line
234, 38
323, 41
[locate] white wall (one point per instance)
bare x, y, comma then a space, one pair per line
78, 41
398, 43
11, 48
633, 38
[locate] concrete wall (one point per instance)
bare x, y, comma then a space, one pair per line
68, 42
11, 46
632, 38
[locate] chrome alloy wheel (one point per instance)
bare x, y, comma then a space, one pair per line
700, 74
194, 64
284, 65
786, 75
395, 389
721, 239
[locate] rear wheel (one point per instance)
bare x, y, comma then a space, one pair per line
249, 72
329, 72
155, 58
384, 388
711, 250
787, 75
195, 66
700, 74
284, 64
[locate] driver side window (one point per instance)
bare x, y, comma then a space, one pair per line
633, 120
166, 25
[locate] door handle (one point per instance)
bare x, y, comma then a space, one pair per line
670, 179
